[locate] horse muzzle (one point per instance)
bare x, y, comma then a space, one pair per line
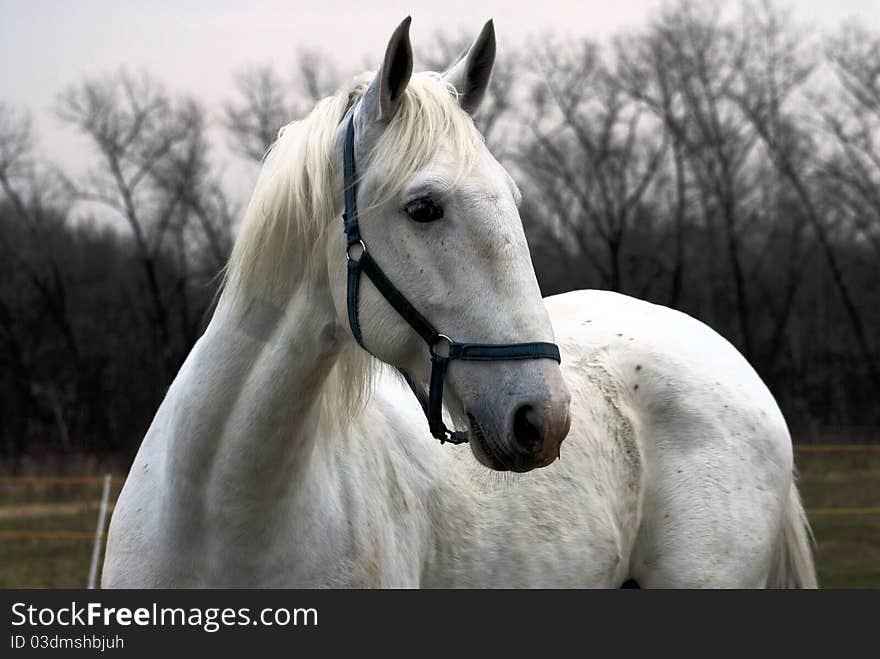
519, 421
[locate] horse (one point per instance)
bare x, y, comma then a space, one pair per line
286, 453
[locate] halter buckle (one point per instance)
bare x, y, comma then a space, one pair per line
454, 437
441, 347
355, 257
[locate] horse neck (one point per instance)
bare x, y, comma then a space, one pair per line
252, 392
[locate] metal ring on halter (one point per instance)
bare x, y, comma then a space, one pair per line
348, 256
444, 339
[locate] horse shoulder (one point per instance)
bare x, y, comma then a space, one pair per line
666, 368
707, 429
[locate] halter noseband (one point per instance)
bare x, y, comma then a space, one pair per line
442, 348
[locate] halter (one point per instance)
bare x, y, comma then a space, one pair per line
442, 348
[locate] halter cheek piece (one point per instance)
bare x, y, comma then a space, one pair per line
442, 348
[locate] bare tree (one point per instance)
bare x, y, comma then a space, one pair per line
775, 71
592, 153
851, 116
32, 192
684, 69
260, 109
264, 101
153, 175
315, 77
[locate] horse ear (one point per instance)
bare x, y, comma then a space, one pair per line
382, 98
470, 75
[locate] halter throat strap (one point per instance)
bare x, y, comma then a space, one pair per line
442, 348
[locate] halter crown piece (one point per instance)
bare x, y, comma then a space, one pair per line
442, 348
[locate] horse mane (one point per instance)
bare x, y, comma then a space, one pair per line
280, 241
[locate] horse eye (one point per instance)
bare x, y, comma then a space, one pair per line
424, 210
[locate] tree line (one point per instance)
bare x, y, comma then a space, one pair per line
719, 159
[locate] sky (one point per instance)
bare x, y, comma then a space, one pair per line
196, 47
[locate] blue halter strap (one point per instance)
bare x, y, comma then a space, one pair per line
442, 348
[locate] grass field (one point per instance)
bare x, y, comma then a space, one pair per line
68, 509
847, 545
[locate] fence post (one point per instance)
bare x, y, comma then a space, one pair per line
99, 533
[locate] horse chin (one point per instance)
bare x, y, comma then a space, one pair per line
480, 447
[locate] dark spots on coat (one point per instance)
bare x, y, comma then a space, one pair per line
638, 367
620, 334
636, 388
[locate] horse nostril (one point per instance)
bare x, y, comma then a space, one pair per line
527, 427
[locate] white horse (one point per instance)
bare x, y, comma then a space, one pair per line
284, 455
